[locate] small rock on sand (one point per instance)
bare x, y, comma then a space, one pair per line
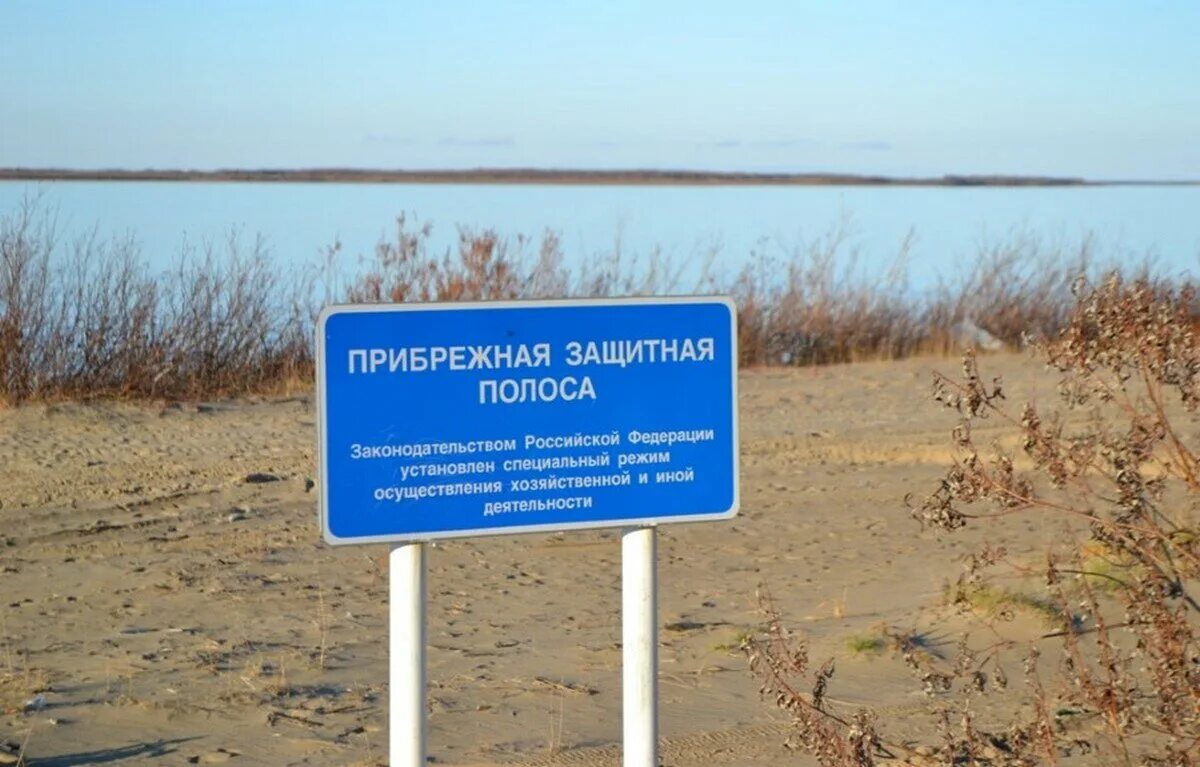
36, 703
238, 514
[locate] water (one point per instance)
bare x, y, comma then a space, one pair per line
299, 220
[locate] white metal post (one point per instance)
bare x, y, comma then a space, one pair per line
639, 646
406, 655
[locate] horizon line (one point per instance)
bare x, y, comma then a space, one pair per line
583, 176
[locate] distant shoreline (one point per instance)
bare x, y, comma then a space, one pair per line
562, 177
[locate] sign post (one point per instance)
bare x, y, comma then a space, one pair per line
471, 419
406, 655
639, 647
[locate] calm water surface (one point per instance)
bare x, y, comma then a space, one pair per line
685, 223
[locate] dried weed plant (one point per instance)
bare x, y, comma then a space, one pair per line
780, 660
88, 318
1118, 463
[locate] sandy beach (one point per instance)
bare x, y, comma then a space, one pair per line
164, 588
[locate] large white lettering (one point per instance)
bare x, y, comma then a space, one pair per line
631, 352
418, 359
508, 391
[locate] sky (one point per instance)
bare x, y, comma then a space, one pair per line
1103, 90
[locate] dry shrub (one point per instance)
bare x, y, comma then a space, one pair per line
1018, 288
485, 266
780, 660
88, 318
26, 241
813, 307
403, 270
1119, 462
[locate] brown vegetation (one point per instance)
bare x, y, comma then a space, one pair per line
88, 318
1120, 466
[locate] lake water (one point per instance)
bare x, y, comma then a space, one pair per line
684, 223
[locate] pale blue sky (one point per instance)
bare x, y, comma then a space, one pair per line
1098, 89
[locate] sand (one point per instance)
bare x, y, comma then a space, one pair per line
173, 612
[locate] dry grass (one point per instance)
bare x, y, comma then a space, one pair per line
19, 685
88, 318
19, 680
996, 602
866, 644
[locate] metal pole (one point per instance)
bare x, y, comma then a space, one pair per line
406, 655
639, 646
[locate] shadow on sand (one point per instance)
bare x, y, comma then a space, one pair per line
108, 755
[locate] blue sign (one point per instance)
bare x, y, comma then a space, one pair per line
452, 420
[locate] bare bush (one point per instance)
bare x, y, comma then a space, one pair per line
89, 318
812, 307
1120, 464
26, 241
1015, 288
1127, 473
93, 321
780, 660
